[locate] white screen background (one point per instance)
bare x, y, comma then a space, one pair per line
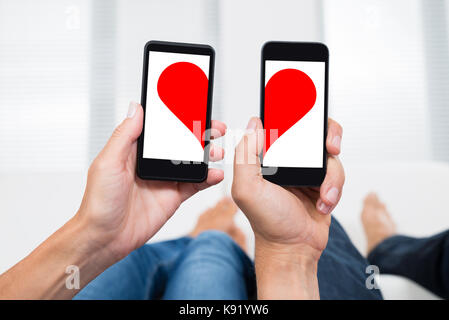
302, 144
166, 137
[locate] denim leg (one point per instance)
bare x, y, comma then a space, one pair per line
423, 260
212, 266
141, 275
342, 269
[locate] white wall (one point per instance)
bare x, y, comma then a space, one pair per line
378, 85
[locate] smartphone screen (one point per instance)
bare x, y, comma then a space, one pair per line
293, 113
176, 106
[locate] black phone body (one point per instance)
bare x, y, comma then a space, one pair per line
157, 148
298, 157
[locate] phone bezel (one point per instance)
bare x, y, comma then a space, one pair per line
295, 51
166, 169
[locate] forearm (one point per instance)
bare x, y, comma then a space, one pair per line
285, 274
42, 274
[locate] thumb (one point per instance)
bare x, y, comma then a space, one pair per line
246, 160
125, 135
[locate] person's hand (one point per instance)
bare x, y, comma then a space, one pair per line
121, 211
290, 224
286, 216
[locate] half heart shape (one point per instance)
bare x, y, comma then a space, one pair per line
289, 95
183, 87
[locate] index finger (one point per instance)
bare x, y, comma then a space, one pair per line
218, 129
332, 186
334, 135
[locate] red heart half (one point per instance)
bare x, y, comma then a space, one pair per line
182, 87
289, 95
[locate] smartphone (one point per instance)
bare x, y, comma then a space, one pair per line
176, 98
294, 81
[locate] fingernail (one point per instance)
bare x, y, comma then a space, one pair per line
336, 142
252, 124
132, 109
332, 195
324, 208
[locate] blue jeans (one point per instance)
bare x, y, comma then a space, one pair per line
212, 266
423, 260
342, 269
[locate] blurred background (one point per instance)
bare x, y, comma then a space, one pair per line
69, 68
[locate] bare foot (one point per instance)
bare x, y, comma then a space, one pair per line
239, 237
377, 221
221, 217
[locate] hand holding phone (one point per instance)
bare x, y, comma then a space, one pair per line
290, 224
119, 211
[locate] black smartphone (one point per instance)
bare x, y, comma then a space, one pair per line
294, 81
176, 98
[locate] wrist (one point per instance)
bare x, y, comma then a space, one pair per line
286, 271
89, 244
288, 252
